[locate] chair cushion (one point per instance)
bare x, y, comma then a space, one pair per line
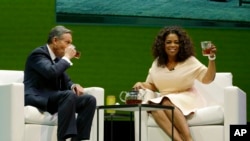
34, 116
205, 116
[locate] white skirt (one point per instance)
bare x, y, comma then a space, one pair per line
187, 101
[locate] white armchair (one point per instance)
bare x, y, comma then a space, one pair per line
226, 105
27, 123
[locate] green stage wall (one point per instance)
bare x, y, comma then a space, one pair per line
113, 57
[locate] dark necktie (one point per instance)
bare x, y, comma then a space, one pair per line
56, 59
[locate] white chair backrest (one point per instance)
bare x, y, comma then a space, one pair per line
10, 76
214, 92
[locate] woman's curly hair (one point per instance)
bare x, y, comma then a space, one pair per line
186, 48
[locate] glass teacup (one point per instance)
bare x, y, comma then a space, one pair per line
78, 53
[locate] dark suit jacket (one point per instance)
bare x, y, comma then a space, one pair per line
43, 77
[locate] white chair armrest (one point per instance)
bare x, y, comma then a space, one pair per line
148, 94
98, 93
144, 121
234, 108
12, 112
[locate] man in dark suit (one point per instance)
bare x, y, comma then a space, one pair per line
49, 88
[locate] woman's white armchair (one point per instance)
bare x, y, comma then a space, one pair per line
226, 105
27, 123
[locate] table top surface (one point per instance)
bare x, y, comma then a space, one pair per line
135, 107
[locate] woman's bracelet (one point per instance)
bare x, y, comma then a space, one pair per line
212, 58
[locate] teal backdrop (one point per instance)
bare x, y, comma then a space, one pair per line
113, 57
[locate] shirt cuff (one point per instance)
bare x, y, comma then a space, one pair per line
72, 86
65, 58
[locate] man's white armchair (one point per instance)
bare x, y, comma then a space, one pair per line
27, 123
226, 105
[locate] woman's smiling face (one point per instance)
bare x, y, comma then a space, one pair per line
172, 45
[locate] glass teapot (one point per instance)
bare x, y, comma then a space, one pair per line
131, 97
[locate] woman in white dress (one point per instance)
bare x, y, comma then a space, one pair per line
172, 74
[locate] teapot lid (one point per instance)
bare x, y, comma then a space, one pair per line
134, 91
